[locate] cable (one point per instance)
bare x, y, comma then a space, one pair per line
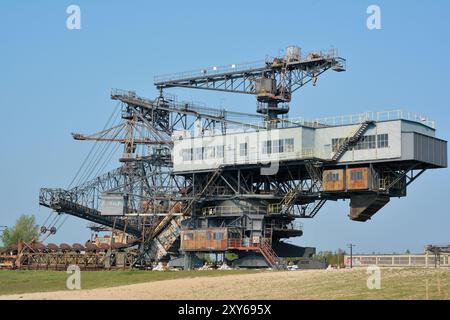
83, 168
62, 223
48, 217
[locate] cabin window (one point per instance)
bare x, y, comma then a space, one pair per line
267, 147
187, 154
366, 142
219, 151
289, 145
198, 154
278, 146
332, 177
356, 175
210, 153
383, 140
243, 149
188, 236
336, 143
218, 236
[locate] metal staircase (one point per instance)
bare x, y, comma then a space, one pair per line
352, 140
289, 199
316, 208
168, 230
271, 257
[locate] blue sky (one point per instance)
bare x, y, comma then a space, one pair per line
54, 81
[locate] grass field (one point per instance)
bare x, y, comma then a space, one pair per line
12, 282
396, 283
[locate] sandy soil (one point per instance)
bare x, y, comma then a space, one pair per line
305, 284
255, 286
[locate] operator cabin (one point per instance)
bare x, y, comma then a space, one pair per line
368, 159
400, 138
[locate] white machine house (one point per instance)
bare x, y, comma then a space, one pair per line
400, 137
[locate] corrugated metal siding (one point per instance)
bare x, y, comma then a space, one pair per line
430, 150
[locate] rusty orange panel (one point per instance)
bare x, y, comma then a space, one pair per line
204, 240
357, 178
333, 180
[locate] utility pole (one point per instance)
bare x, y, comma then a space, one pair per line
350, 245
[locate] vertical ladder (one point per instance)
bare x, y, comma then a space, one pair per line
316, 176
268, 233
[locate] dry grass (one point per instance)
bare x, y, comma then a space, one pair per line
313, 284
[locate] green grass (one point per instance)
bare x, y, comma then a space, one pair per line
24, 281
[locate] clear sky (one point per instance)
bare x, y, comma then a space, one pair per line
55, 81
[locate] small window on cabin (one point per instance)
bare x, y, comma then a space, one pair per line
188, 236
187, 154
243, 149
267, 147
275, 146
371, 142
356, 175
281, 146
209, 236
332, 177
337, 142
383, 140
219, 151
210, 153
218, 236
288, 145
198, 154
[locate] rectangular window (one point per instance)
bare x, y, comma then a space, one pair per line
356, 175
332, 177
366, 142
289, 145
267, 147
243, 149
188, 236
383, 140
187, 154
281, 146
210, 153
219, 151
218, 236
336, 143
371, 142
198, 154
275, 146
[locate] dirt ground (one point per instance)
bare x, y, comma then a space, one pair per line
305, 284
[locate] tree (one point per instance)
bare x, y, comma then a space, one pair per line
25, 229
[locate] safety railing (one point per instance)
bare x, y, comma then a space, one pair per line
369, 116
331, 121
230, 210
209, 71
